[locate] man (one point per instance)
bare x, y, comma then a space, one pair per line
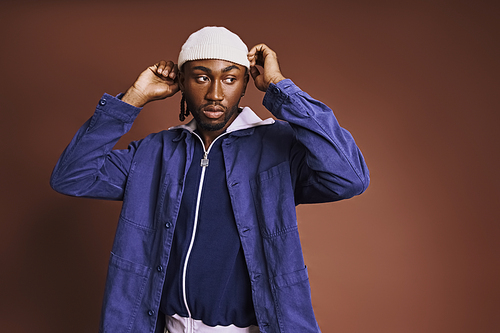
207, 239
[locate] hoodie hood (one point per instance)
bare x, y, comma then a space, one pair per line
245, 119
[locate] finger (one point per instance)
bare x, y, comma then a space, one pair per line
251, 60
252, 54
254, 71
256, 60
154, 68
174, 71
259, 53
160, 67
169, 66
256, 48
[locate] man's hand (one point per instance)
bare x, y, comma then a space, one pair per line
156, 82
262, 55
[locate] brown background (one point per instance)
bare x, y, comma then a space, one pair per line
417, 83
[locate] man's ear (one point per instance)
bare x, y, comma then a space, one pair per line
180, 78
247, 78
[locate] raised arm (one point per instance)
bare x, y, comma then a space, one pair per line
262, 55
88, 166
156, 82
327, 165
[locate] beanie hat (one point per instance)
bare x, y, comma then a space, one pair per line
214, 43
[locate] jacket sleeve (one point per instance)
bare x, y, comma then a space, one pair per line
326, 164
88, 166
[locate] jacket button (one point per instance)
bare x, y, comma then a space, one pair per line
159, 268
168, 225
151, 312
102, 102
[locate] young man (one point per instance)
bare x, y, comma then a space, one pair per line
207, 239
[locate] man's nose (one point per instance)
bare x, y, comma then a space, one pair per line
215, 92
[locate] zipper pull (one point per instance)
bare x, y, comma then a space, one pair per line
204, 160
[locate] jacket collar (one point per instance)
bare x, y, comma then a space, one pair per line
246, 119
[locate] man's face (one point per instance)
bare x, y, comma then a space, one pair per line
213, 89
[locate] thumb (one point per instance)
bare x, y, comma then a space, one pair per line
254, 71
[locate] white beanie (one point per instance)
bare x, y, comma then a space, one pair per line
214, 43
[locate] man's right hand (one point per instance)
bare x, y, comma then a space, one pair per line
156, 82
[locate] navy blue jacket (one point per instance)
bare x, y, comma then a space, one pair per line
270, 168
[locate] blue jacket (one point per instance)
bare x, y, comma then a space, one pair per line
270, 168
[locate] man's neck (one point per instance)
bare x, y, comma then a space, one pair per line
208, 136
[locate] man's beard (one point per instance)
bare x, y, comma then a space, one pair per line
214, 127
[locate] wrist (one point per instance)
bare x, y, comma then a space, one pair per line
276, 79
134, 97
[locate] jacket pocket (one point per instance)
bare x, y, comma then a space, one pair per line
274, 200
125, 286
292, 296
141, 195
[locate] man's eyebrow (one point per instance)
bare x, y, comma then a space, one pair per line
228, 68
209, 71
203, 68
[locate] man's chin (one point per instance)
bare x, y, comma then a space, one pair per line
216, 122
211, 127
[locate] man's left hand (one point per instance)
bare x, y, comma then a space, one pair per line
262, 55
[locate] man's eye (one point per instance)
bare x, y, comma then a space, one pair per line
202, 78
230, 80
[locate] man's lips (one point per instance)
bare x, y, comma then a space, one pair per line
213, 111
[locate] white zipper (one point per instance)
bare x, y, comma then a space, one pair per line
204, 164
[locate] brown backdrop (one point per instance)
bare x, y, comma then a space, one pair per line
417, 84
